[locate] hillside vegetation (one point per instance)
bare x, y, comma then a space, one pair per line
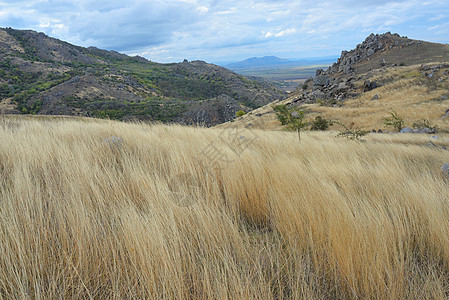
43, 75
102, 209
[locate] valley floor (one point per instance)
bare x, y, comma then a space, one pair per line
114, 210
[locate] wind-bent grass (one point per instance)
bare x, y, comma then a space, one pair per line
84, 217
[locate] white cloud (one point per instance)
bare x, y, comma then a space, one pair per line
438, 17
226, 29
280, 33
202, 9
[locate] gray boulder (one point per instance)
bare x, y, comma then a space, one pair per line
369, 85
375, 97
445, 170
342, 86
424, 130
420, 130
318, 95
321, 80
406, 130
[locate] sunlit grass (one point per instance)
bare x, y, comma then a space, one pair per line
254, 214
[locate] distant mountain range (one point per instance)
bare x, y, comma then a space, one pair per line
287, 73
274, 61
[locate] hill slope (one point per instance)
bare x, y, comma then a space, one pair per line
43, 75
385, 71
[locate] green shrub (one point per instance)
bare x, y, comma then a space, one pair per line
240, 113
321, 123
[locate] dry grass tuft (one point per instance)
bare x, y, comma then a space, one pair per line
156, 215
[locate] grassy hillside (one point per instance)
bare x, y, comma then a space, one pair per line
43, 75
111, 210
410, 90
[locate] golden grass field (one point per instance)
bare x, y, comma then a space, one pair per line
172, 212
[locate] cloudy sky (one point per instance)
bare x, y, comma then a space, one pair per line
227, 30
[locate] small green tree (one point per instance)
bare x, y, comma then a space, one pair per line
291, 117
240, 113
281, 113
394, 120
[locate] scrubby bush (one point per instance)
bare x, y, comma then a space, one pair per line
424, 123
320, 123
351, 132
240, 113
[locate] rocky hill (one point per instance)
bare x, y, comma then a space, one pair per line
43, 75
385, 71
378, 51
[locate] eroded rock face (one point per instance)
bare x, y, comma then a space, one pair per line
211, 112
373, 44
369, 85
340, 81
321, 80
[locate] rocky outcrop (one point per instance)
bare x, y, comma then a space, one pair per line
326, 88
369, 85
429, 70
337, 82
373, 44
211, 112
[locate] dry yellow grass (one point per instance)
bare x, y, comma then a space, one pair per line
266, 218
406, 90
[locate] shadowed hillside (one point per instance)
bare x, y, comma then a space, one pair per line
42, 75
